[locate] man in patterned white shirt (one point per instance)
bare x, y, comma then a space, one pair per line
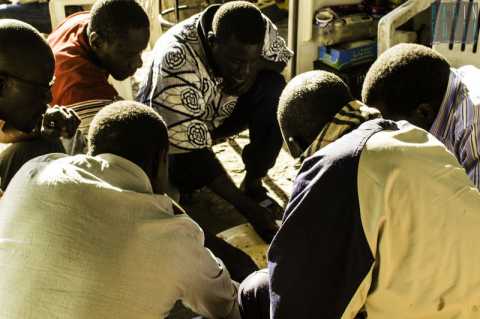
212, 76
415, 83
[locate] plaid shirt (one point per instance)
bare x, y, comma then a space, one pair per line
456, 125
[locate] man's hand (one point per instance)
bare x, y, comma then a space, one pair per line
59, 121
262, 222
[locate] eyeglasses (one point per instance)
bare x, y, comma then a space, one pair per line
30, 82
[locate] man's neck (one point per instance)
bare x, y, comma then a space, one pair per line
91, 52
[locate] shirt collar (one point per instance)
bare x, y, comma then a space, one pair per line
205, 26
448, 102
351, 116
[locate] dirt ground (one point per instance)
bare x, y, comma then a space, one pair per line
212, 212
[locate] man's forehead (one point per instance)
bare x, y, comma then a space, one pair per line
30, 64
133, 39
237, 48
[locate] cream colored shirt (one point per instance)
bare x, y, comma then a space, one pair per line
85, 238
421, 217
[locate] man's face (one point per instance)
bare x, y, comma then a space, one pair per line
299, 137
122, 56
25, 94
237, 62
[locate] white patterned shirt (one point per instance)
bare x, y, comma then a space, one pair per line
183, 88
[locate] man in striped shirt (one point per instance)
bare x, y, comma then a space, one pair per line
415, 83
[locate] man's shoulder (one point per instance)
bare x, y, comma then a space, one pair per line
335, 166
181, 47
470, 78
406, 154
69, 37
349, 146
180, 228
47, 159
400, 144
40, 171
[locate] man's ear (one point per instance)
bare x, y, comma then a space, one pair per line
159, 171
163, 155
3, 84
212, 38
95, 40
294, 147
425, 113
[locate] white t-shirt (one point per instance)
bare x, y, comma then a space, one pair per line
421, 217
85, 237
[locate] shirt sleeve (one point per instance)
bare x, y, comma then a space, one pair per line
205, 282
274, 46
175, 89
79, 81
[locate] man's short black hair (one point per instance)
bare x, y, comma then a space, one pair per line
128, 129
406, 76
240, 19
114, 18
308, 102
19, 40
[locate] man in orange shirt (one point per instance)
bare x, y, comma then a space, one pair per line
90, 46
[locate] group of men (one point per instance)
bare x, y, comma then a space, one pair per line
381, 221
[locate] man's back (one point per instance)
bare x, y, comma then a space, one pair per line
421, 215
85, 237
381, 221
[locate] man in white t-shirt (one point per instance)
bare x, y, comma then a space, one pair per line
94, 236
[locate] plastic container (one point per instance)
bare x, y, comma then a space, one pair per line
348, 54
353, 76
331, 29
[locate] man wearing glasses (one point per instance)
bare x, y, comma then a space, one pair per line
26, 76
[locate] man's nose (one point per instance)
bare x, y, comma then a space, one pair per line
244, 71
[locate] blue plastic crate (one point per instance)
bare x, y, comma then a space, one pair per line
348, 54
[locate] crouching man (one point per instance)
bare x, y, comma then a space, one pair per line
95, 236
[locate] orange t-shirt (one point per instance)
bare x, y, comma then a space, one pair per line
78, 75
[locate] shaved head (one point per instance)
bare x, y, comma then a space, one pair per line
406, 81
26, 69
309, 101
23, 48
